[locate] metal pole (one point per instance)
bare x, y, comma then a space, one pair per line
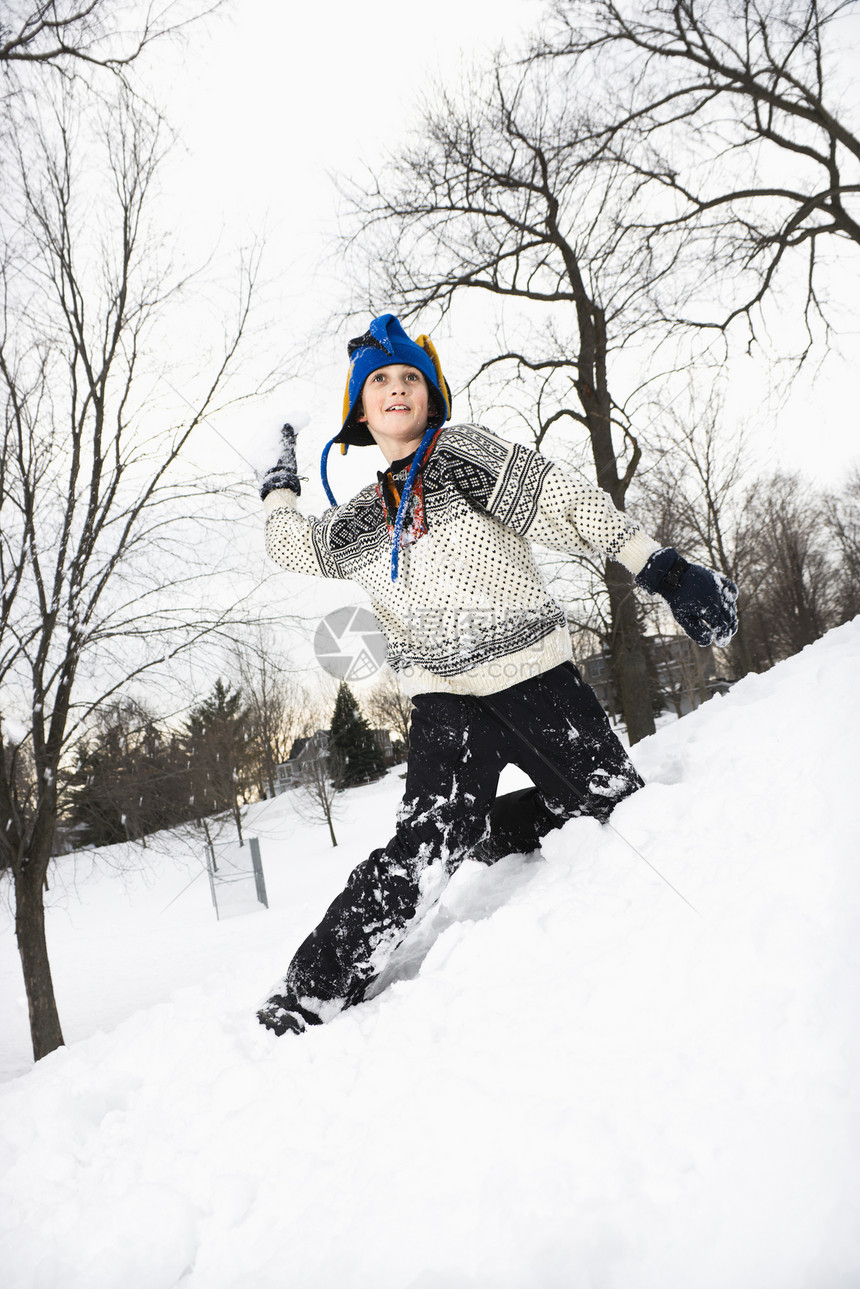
210, 868
258, 871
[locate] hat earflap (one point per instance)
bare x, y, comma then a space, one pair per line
346, 402
444, 388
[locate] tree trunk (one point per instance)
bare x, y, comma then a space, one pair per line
628, 655
628, 644
45, 1029
740, 651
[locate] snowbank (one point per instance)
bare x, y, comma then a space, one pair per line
576, 1079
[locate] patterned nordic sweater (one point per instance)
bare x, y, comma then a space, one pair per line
469, 612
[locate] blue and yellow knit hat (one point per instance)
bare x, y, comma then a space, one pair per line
386, 342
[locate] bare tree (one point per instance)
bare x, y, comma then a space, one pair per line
70, 35
737, 119
794, 605
317, 787
277, 704
388, 707
842, 516
697, 494
100, 566
773, 534
505, 194
315, 775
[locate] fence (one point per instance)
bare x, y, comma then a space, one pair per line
236, 878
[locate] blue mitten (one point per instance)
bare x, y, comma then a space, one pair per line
702, 601
285, 474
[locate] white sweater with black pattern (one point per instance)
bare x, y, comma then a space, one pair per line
469, 612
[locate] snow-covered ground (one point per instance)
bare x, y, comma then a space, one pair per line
577, 1081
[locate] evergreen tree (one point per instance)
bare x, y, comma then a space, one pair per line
355, 757
129, 778
220, 754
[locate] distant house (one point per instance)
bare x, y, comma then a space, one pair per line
303, 753
382, 739
306, 751
685, 674
597, 672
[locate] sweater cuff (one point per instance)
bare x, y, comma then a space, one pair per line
636, 552
278, 498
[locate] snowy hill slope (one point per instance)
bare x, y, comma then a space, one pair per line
586, 1083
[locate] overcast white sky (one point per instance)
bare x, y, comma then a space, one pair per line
274, 97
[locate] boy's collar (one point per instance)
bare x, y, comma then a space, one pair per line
397, 466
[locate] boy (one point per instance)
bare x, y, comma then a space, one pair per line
442, 545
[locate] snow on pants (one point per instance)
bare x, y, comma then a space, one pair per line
557, 733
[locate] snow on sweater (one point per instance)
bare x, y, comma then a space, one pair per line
469, 612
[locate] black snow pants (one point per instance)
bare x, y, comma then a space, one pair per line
553, 728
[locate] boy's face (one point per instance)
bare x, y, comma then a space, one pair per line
396, 407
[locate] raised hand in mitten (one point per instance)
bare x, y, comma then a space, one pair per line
702, 602
285, 473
